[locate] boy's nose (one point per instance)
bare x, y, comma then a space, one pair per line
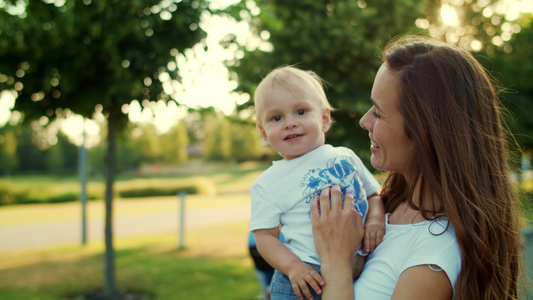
290, 123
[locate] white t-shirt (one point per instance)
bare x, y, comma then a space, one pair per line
405, 246
282, 194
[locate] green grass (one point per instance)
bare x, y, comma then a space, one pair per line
214, 265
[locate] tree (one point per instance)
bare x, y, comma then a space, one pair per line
83, 54
8, 151
175, 144
61, 157
246, 141
340, 41
55, 160
217, 142
511, 67
149, 144
30, 149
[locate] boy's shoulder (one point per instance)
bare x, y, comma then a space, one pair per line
274, 169
340, 150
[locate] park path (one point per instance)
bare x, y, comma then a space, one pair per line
165, 219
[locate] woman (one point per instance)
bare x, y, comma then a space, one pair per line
435, 126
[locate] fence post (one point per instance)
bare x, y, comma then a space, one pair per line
181, 229
82, 165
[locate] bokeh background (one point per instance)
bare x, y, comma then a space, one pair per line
127, 130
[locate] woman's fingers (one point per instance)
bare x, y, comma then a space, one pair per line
336, 198
348, 201
324, 201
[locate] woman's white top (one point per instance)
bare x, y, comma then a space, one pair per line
405, 246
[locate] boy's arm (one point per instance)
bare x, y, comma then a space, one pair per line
358, 263
375, 223
283, 260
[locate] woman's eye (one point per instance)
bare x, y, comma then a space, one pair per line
300, 112
376, 115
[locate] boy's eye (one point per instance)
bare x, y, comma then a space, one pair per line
300, 112
276, 118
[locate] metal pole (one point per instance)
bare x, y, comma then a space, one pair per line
83, 182
182, 220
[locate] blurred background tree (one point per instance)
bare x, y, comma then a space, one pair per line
513, 69
77, 56
340, 40
8, 150
175, 144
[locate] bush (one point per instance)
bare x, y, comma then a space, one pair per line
45, 189
152, 187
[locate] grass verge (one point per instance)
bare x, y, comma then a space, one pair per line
213, 265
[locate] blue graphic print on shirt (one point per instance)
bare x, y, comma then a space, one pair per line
338, 171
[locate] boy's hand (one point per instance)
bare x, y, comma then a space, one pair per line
302, 275
374, 232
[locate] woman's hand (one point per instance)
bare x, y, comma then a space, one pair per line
337, 227
338, 231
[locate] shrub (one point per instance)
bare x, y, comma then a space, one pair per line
151, 187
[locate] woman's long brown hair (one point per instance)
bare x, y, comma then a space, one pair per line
452, 113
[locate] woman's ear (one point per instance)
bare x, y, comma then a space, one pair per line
326, 120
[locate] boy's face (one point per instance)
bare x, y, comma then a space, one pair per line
293, 123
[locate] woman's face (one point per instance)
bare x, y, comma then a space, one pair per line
391, 149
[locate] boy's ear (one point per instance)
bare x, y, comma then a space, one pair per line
263, 133
326, 120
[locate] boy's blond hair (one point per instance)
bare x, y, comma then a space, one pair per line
290, 79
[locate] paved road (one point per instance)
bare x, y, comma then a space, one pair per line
54, 233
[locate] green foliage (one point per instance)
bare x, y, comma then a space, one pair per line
86, 53
526, 202
338, 40
175, 144
246, 142
149, 145
8, 151
217, 143
62, 157
44, 189
512, 68
50, 189
149, 187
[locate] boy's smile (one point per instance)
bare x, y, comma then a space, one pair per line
293, 122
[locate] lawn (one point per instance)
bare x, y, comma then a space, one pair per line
215, 263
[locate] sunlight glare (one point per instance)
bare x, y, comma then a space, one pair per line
7, 102
449, 15
74, 125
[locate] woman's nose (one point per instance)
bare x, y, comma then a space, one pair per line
364, 122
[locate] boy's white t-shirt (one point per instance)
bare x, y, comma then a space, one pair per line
405, 246
282, 194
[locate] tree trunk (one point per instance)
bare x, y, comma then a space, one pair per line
109, 260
